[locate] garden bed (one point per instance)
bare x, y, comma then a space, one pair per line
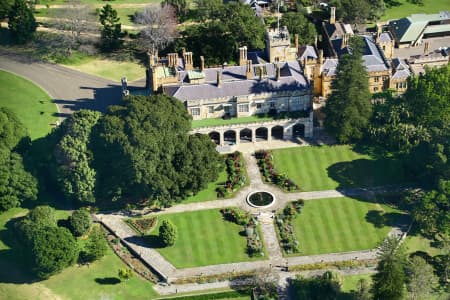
267, 169
285, 228
142, 225
236, 175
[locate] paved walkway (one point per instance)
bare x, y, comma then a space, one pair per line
275, 259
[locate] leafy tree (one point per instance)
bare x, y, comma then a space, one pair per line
52, 249
42, 216
363, 290
168, 233
389, 281
348, 108
21, 21
111, 31
125, 273
420, 278
73, 158
96, 245
5, 8
316, 288
358, 11
147, 139
207, 9
11, 129
16, 184
297, 23
80, 222
180, 6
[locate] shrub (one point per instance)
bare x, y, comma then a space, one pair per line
42, 216
168, 233
80, 222
237, 216
96, 246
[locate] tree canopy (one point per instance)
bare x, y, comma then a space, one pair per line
111, 30
348, 108
154, 157
358, 11
11, 129
21, 21
297, 23
80, 222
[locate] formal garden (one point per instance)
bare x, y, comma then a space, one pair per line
207, 237
333, 167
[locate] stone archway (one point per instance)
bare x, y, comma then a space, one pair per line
229, 137
262, 134
245, 135
277, 132
215, 137
298, 130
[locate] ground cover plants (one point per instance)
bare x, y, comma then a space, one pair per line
267, 169
143, 225
283, 219
236, 175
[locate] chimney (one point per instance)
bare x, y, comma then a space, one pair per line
187, 58
315, 41
172, 59
249, 73
260, 73
278, 72
333, 15
426, 47
344, 41
243, 56
321, 56
202, 63
296, 41
219, 78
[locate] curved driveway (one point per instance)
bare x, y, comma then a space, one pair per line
71, 90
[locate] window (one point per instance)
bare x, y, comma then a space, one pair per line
195, 111
258, 105
272, 104
375, 89
211, 109
376, 79
243, 107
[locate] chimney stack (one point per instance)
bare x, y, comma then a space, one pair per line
243, 56
426, 48
296, 41
219, 78
344, 41
249, 73
278, 72
172, 60
260, 73
333, 15
188, 62
321, 56
202, 63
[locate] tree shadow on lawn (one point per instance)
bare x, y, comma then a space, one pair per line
363, 173
381, 219
149, 241
107, 280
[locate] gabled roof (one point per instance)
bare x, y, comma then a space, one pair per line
337, 30
329, 66
307, 52
385, 37
410, 28
401, 69
234, 82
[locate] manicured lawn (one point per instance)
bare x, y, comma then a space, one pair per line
33, 106
331, 167
415, 243
209, 193
340, 225
350, 282
404, 8
204, 238
110, 69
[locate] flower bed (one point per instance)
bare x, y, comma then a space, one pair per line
254, 242
267, 169
285, 228
144, 225
236, 175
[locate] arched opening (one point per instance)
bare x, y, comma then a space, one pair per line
277, 132
245, 135
261, 134
215, 137
298, 130
229, 137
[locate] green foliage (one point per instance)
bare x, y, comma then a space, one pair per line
21, 21
53, 249
207, 9
16, 184
168, 233
5, 8
180, 6
154, 157
96, 245
297, 23
420, 278
74, 174
326, 287
111, 31
233, 25
348, 108
363, 290
389, 281
125, 273
11, 129
358, 11
80, 222
42, 216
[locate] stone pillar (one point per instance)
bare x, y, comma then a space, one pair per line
237, 137
253, 135
309, 129
287, 132
221, 139
269, 134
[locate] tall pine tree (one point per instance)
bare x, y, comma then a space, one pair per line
21, 23
348, 108
111, 31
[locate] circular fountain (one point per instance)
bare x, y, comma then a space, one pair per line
260, 199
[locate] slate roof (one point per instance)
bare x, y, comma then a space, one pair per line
337, 30
307, 51
329, 66
410, 28
401, 69
385, 37
373, 57
234, 83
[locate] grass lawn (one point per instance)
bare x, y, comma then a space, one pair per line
404, 8
350, 282
341, 225
209, 193
109, 69
204, 238
331, 167
33, 106
415, 243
